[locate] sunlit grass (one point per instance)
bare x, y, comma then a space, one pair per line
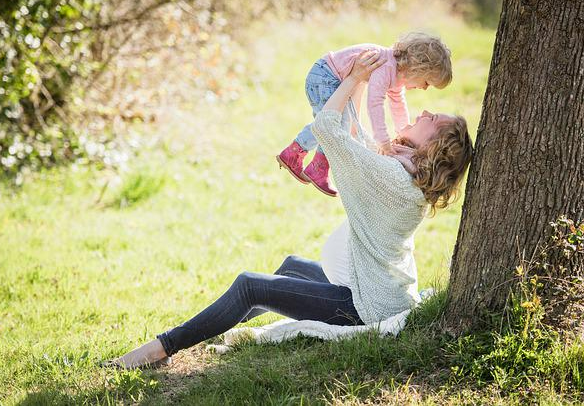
86, 276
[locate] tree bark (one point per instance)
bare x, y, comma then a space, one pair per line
527, 168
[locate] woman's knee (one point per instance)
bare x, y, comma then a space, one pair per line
289, 263
249, 286
248, 281
243, 278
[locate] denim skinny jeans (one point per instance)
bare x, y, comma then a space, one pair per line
299, 290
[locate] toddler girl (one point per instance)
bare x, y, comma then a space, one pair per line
416, 61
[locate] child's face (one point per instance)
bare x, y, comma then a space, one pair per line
416, 83
423, 129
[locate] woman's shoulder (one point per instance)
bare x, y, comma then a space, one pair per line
394, 178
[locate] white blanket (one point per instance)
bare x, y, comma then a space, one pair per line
289, 328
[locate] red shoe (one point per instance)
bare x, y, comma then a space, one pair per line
291, 158
317, 173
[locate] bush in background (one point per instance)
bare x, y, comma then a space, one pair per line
538, 338
75, 73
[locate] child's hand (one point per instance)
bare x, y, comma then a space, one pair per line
404, 155
365, 64
385, 148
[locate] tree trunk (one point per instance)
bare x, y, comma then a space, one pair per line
527, 169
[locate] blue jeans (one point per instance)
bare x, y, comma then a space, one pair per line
321, 83
299, 290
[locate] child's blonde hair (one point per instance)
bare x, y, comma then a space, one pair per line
424, 56
442, 162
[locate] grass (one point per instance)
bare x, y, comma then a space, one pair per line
93, 264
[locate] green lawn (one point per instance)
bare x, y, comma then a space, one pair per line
81, 281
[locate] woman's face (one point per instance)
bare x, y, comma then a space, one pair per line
422, 130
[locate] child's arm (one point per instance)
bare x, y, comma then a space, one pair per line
326, 131
399, 109
357, 170
376, 92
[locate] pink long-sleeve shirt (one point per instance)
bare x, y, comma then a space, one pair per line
383, 82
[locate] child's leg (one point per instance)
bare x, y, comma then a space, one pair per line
320, 85
306, 139
317, 172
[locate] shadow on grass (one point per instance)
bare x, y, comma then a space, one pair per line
303, 370
420, 365
308, 370
125, 387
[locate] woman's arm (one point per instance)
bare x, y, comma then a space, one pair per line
364, 65
357, 97
327, 127
356, 169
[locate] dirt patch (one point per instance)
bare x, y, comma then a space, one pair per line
187, 366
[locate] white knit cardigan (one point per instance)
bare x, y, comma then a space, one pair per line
384, 208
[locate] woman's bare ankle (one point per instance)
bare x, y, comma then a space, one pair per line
146, 354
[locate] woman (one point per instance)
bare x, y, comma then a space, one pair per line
368, 271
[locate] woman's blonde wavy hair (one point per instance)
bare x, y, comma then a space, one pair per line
422, 56
441, 163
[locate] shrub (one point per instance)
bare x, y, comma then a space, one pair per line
534, 341
74, 71
42, 52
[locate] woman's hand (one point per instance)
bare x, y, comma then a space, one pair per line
365, 64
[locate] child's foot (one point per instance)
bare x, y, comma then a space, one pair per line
291, 158
317, 172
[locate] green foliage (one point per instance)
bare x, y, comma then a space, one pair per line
81, 282
43, 50
137, 187
526, 348
513, 360
53, 54
559, 270
132, 384
484, 12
